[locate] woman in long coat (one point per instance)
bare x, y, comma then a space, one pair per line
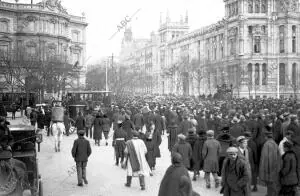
97, 129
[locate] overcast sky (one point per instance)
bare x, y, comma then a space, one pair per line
104, 17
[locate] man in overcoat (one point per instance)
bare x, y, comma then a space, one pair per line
80, 152
235, 176
270, 165
210, 152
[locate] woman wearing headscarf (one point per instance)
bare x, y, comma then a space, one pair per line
176, 181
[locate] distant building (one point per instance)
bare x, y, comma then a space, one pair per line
255, 49
44, 29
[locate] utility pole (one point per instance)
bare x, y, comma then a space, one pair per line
106, 86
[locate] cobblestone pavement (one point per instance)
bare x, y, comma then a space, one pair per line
105, 179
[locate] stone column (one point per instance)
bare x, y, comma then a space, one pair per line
260, 74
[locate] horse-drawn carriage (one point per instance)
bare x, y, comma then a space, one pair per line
19, 168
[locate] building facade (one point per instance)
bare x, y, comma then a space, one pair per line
254, 49
43, 30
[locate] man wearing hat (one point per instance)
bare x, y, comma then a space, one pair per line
176, 180
119, 139
185, 125
270, 164
184, 149
235, 175
6, 138
294, 126
211, 152
285, 123
136, 162
81, 151
236, 130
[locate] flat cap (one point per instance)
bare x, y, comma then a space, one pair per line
210, 133
181, 136
81, 132
241, 138
232, 150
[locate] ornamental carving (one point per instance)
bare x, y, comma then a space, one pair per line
31, 44
31, 18
232, 32
54, 5
52, 20
288, 5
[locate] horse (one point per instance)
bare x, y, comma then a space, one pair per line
58, 129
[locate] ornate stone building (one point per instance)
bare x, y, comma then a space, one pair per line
44, 29
254, 49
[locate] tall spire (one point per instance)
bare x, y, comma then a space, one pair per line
186, 17
160, 20
168, 16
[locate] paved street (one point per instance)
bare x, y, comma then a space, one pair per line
105, 179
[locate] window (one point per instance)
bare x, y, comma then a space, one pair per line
257, 5
263, 6
222, 52
294, 39
199, 44
215, 53
281, 39
250, 73
264, 74
250, 28
257, 74
250, 6
3, 51
263, 29
3, 26
294, 74
232, 47
282, 74
75, 36
257, 48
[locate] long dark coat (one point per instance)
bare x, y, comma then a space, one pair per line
270, 162
81, 149
150, 156
211, 152
235, 179
105, 122
120, 144
191, 139
184, 127
236, 130
156, 139
202, 125
172, 138
288, 172
128, 127
97, 128
176, 182
197, 153
185, 150
159, 123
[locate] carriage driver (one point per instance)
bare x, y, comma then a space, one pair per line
6, 138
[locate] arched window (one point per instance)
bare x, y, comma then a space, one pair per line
250, 73
250, 6
293, 38
257, 74
294, 74
264, 74
282, 74
281, 38
257, 6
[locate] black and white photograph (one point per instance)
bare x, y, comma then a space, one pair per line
149, 98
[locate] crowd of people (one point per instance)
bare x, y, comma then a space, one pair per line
241, 142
